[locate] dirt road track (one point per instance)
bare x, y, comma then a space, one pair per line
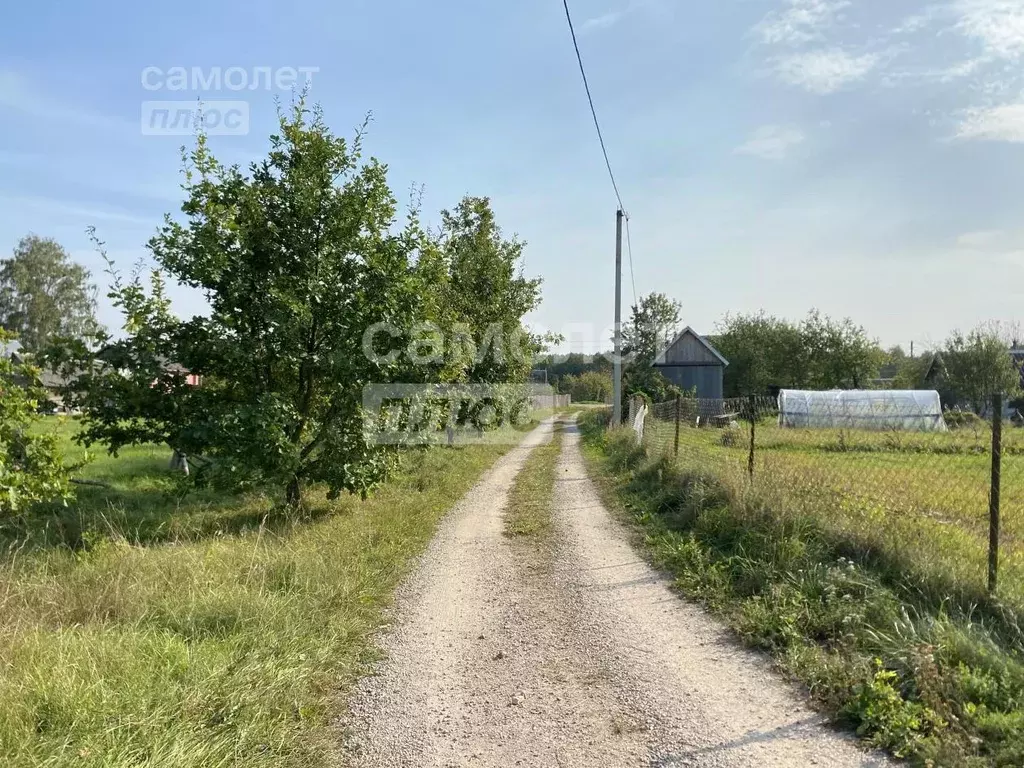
574, 653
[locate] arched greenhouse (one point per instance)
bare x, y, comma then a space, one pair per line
909, 410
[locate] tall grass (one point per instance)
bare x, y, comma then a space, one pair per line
141, 627
893, 645
919, 502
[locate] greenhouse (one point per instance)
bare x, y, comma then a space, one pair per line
909, 410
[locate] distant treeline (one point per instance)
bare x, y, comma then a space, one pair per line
767, 353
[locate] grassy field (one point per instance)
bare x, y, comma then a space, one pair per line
861, 569
145, 627
919, 500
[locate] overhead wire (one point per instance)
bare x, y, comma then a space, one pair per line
600, 138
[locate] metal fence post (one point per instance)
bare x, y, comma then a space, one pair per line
752, 408
679, 409
993, 499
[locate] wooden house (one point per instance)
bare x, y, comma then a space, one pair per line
691, 363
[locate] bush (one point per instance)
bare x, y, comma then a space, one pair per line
588, 387
31, 466
957, 419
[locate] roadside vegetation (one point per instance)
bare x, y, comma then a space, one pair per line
917, 499
880, 613
528, 513
143, 627
211, 614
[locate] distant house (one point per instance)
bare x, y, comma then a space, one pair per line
690, 362
55, 383
192, 379
51, 381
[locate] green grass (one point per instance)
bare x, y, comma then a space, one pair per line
143, 627
528, 513
919, 501
876, 606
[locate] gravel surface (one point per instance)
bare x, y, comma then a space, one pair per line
571, 652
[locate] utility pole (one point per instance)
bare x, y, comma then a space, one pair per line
617, 361
911, 349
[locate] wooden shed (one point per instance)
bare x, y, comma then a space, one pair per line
691, 362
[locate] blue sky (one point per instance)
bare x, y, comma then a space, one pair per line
865, 158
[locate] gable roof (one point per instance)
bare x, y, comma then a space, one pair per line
660, 360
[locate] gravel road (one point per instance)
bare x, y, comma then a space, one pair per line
572, 652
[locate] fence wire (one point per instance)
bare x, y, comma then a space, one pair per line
902, 480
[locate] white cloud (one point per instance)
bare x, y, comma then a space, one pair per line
922, 19
998, 25
996, 246
771, 142
981, 239
825, 71
1002, 123
801, 21
604, 21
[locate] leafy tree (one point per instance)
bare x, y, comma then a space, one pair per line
31, 465
911, 372
561, 367
654, 322
840, 353
44, 294
763, 351
483, 296
977, 365
818, 353
297, 259
589, 386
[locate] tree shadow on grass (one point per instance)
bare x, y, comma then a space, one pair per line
146, 506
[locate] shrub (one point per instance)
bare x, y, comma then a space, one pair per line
31, 466
957, 419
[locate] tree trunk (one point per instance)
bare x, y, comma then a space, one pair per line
294, 493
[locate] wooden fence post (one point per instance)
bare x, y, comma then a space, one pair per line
752, 407
993, 499
679, 408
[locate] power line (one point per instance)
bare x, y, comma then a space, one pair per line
600, 138
586, 86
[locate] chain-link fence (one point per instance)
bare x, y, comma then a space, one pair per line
941, 492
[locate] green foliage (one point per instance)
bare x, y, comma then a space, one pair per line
654, 322
869, 606
31, 464
588, 387
641, 379
482, 296
302, 260
296, 259
560, 367
976, 365
44, 294
209, 630
651, 327
963, 420
762, 351
818, 353
912, 372
890, 720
